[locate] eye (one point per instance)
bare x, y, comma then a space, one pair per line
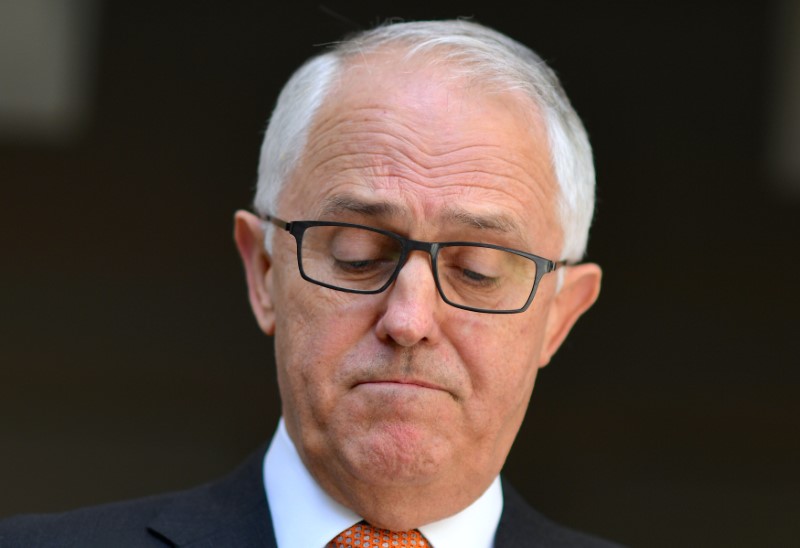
471, 266
361, 252
363, 265
476, 277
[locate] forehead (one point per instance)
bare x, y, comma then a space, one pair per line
432, 146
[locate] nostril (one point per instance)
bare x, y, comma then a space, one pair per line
404, 326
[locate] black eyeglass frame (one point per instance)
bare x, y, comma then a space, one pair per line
297, 228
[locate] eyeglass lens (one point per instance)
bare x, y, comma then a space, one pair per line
360, 259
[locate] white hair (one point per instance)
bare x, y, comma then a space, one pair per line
470, 50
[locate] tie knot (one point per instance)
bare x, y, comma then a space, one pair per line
364, 535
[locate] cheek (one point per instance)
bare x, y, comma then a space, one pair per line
501, 356
315, 328
494, 343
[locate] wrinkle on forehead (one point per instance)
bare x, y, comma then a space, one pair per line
382, 140
375, 128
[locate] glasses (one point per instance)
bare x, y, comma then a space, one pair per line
469, 275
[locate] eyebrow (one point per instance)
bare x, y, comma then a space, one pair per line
347, 203
495, 222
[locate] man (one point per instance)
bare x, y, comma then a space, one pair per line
424, 197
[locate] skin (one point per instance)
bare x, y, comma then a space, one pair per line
402, 407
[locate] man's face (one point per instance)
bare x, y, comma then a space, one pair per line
382, 393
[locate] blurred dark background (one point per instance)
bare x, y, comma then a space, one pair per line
129, 360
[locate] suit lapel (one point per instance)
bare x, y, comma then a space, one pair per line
518, 527
523, 527
230, 512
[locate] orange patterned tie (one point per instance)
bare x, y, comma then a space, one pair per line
363, 535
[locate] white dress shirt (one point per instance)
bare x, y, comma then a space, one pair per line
304, 516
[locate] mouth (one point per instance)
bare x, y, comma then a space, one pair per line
400, 383
406, 389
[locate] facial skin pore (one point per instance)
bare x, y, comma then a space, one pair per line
402, 407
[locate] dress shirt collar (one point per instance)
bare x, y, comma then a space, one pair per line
294, 497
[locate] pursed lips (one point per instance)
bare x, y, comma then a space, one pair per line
414, 386
410, 383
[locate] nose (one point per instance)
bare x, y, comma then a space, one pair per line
412, 305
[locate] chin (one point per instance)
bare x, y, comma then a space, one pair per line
396, 454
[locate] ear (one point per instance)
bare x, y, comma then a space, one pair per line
249, 238
579, 291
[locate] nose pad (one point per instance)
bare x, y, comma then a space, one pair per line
412, 304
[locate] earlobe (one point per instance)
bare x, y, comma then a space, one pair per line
257, 263
579, 291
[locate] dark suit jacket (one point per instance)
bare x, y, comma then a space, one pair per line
231, 512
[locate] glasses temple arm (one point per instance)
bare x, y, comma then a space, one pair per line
280, 223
